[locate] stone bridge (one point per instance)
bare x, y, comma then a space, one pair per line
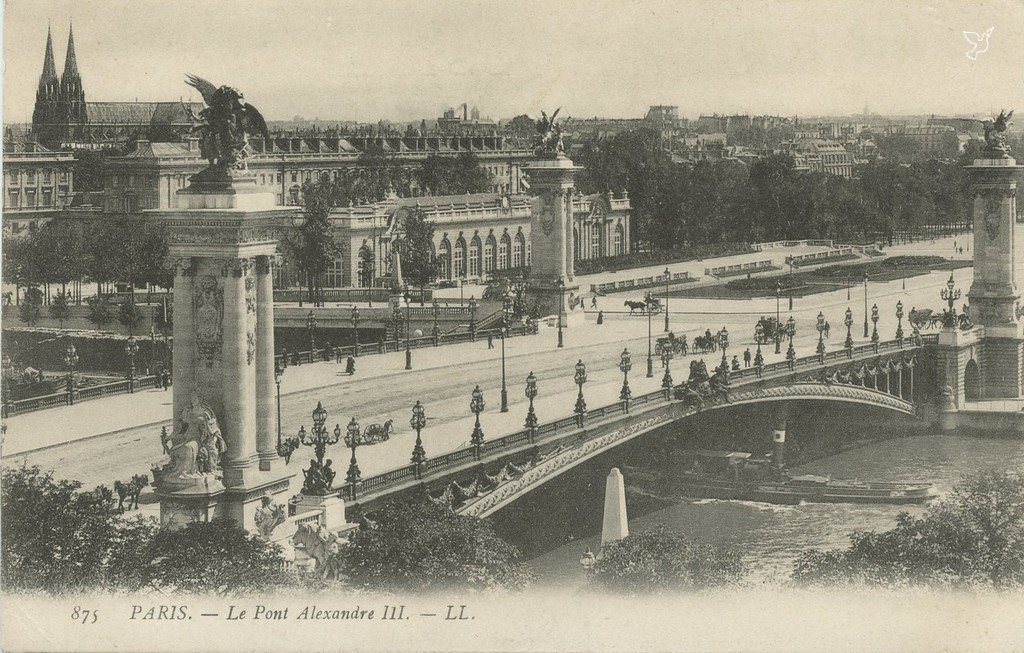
479, 480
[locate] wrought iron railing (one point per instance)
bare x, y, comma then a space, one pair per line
80, 394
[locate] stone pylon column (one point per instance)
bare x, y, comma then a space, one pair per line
616, 524
238, 380
184, 351
552, 243
998, 273
266, 411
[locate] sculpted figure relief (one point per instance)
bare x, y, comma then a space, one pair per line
268, 516
195, 446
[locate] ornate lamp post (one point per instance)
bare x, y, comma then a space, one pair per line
476, 405
848, 321
758, 357
666, 381
355, 329
723, 341
531, 393
353, 475
820, 326
407, 296
668, 276
506, 304
778, 322
650, 360
278, 375
561, 301
791, 332
71, 361
899, 321
418, 421
7, 370
874, 320
319, 437
311, 328
580, 378
951, 294
472, 317
131, 347
865, 303
625, 365
435, 308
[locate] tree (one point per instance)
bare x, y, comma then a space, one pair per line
31, 307
521, 129
60, 308
313, 247
366, 266
58, 539
129, 314
974, 537
453, 175
99, 311
423, 546
418, 262
663, 560
214, 557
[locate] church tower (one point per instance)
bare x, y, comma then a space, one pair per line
45, 114
72, 96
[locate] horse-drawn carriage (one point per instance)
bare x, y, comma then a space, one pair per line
767, 332
648, 305
677, 346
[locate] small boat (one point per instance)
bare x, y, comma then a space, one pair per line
736, 475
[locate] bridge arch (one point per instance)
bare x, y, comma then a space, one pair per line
972, 381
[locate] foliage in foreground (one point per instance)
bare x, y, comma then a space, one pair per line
426, 547
973, 538
663, 560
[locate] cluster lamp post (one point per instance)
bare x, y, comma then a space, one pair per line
506, 304
353, 475
791, 332
561, 301
650, 360
436, 310
778, 323
472, 317
311, 327
418, 421
355, 329
865, 303
950, 294
666, 380
131, 347
531, 394
476, 405
580, 378
71, 361
820, 326
848, 321
278, 375
319, 437
874, 321
758, 336
668, 276
899, 321
407, 296
625, 365
723, 341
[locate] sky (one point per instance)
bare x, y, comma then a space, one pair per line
405, 60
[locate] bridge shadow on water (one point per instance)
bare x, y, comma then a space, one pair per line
570, 506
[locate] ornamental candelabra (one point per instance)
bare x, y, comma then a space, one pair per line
580, 378
506, 306
311, 328
758, 356
951, 294
650, 360
820, 326
848, 321
352, 441
874, 321
666, 380
407, 296
418, 421
778, 319
625, 365
476, 405
791, 333
668, 277
355, 329
899, 321
71, 362
723, 342
435, 308
561, 308
865, 303
472, 317
131, 348
531, 394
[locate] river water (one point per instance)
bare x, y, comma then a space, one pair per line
772, 537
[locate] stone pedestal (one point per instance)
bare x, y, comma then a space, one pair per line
223, 246
331, 508
552, 246
998, 273
615, 525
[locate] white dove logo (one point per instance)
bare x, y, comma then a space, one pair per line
979, 41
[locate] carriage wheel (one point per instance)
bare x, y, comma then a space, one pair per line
657, 349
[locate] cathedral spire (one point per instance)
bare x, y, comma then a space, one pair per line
70, 62
49, 68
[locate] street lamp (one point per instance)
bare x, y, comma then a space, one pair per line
476, 405
759, 336
353, 475
650, 361
723, 342
791, 332
131, 347
778, 322
436, 310
311, 327
319, 437
472, 316
278, 375
874, 320
848, 321
397, 318
580, 378
899, 321
407, 296
820, 326
418, 421
865, 303
789, 259
355, 329
531, 393
71, 361
506, 304
666, 381
7, 369
587, 560
951, 294
625, 365
668, 276
561, 300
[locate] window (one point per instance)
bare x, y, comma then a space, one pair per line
280, 178
528, 254
47, 177
595, 241
63, 176
295, 177
333, 277
47, 197
617, 240
458, 259
30, 176
474, 258
489, 255
30, 196
444, 254
503, 248
15, 199
517, 251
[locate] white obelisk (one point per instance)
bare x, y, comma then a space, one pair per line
615, 526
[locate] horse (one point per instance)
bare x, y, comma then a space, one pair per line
375, 433
635, 306
130, 490
321, 545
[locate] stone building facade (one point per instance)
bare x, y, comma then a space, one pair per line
38, 184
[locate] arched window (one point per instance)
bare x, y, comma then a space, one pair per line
517, 251
617, 240
444, 257
595, 241
366, 264
489, 255
972, 381
529, 254
459, 259
474, 257
503, 247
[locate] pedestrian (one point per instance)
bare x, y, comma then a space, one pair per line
961, 250
746, 357
490, 341
350, 366
166, 379
600, 317
158, 379
735, 363
593, 302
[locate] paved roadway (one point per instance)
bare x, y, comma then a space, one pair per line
444, 378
